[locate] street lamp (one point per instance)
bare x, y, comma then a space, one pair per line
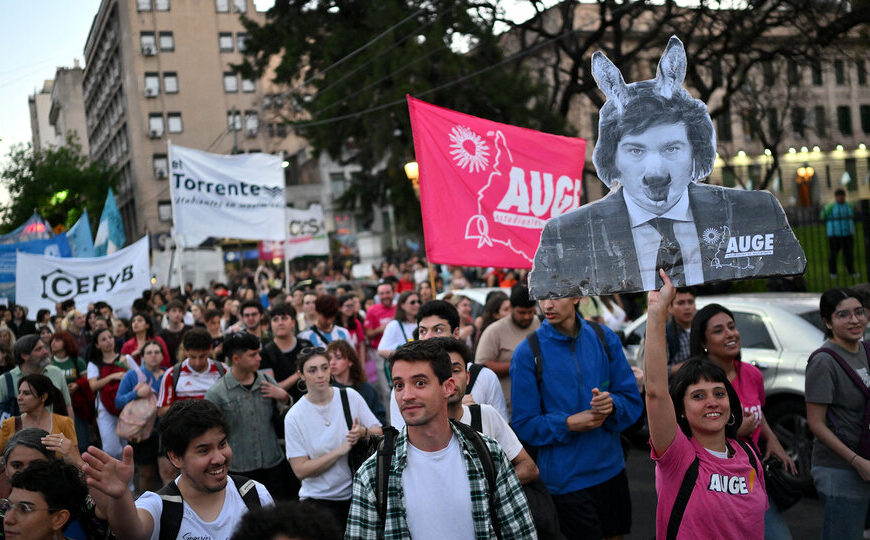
412, 171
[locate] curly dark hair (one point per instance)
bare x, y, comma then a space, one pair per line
186, 420
290, 520
59, 482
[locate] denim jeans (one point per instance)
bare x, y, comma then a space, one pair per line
775, 527
846, 497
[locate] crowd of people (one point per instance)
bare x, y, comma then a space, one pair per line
209, 413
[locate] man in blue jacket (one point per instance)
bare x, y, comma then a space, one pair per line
573, 414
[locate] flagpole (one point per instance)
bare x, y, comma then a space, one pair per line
175, 245
286, 251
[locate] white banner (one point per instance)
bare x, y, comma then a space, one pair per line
42, 281
236, 196
307, 232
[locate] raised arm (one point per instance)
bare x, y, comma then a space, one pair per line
660, 409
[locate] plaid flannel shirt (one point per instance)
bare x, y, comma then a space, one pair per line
511, 508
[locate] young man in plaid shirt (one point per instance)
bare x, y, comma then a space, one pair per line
435, 470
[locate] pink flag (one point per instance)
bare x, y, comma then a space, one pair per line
486, 189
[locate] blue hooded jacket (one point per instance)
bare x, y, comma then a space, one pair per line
570, 461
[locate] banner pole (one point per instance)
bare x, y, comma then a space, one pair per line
286, 252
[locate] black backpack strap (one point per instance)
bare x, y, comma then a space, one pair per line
345, 406
473, 373
750, 451
682, 500
476, 417
382, 472
535, 345
220, 367
172, 512
321, 334
488, 466
176, 376
248, 490
600, 333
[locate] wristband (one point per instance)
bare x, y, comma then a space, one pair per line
851, 461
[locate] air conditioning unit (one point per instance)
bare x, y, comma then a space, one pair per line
155, 134
149, 50
150, 92
161, 174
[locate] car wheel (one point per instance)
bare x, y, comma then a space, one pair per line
788, 421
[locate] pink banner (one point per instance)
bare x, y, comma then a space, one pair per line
486, 189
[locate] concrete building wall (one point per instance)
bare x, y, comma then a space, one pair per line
39, 103
67, 112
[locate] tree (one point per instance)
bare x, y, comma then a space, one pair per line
58, 182
727, 43
348, 64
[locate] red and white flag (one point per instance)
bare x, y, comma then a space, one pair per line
486, 188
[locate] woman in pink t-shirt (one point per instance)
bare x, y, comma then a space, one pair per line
693, 429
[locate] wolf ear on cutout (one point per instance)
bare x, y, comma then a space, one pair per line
610, 80
672, 68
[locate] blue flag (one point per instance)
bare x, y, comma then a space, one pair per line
110, 233
80, 239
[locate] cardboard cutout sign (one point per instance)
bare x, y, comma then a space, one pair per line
656, 142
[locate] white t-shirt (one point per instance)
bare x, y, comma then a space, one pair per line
393, 336
94, 373
313, 430
437, 494
486, 390
192, 526
496, 427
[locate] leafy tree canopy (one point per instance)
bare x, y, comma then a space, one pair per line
348, 64
58, 182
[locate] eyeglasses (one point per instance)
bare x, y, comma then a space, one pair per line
413, 301
22, 508
846, 314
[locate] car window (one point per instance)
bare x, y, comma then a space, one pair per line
814, 318
753, 332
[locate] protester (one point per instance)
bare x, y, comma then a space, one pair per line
252, 319
175, 329
32, 357
142, 326
288, 520
836, 406
7, 336
192, 377
349, 319
715, 334
839, 218
65, 356
694, 428
74, 322
307, 317
401, 329
19, 324
378, 317
435, 486
497, 306
194, 434
424, 290
106, 368
138, 383
317, 437
280, 355
571, 399
250, 400
41, 406
51, 486
497, 344
324, 331
348, 372
467, 330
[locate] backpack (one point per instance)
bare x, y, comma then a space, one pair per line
9, 407
176, 375
363, 448
687, 486
173, 505
137, 418
387, 445
863, 449
110, 390
473, 373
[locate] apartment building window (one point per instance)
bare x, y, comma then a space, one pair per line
862, 72
248, 85
234, 121
729, 179
252, 123
162, 5
164, 210
231, 82
148, 43
865, 118
749, 134
161, 166
772, 122
793, 73
152, 84
844, 119
225, 41
820, 120
222, 6
817, 73
281, 129
798, 122
723, 125
167, 41
174, 123
241, 38
851, 165
170, 82
769, 74
839, 72
240, 6
143, 5
155, 125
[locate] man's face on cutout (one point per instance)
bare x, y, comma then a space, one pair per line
655, 166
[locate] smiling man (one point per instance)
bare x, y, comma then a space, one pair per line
657, 143
203, 502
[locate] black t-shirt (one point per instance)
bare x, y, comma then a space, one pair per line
283, 364
173, 341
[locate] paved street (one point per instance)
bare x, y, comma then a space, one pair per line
804, 519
